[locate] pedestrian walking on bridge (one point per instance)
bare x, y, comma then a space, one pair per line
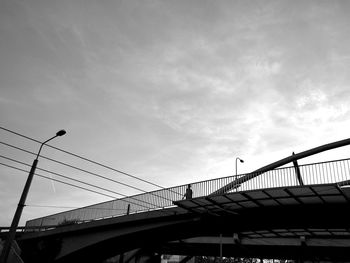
188, 194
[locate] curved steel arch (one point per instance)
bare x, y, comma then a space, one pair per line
279, 163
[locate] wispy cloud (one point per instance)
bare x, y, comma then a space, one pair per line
173, 91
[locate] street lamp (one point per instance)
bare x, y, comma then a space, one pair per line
21, 204
237, 158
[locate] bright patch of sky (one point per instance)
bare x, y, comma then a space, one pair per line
170, 91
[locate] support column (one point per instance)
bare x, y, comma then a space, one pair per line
297, 171
220, 248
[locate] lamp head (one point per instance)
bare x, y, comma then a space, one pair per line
61, 133
241, 160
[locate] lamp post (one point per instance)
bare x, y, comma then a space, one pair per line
237, 158
21, 204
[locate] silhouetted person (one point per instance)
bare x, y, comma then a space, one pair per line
188, 194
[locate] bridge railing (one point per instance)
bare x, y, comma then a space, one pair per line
316, 173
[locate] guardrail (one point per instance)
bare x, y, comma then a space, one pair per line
316, 173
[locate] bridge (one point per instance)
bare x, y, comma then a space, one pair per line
298, 212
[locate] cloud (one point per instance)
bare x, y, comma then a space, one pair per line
174, 91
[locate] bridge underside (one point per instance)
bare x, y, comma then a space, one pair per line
309, 222
311, 248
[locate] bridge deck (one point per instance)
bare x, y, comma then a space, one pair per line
254, 223
309, 174
283, 196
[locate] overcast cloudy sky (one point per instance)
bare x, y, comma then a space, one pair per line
170, 91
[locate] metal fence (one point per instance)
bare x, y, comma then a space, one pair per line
317, 173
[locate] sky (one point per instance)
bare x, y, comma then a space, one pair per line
168, 91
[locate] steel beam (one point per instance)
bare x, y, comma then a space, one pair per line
279, 163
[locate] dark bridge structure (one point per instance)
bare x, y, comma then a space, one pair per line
299, 212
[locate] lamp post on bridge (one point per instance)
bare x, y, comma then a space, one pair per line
21, 204
237, 158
